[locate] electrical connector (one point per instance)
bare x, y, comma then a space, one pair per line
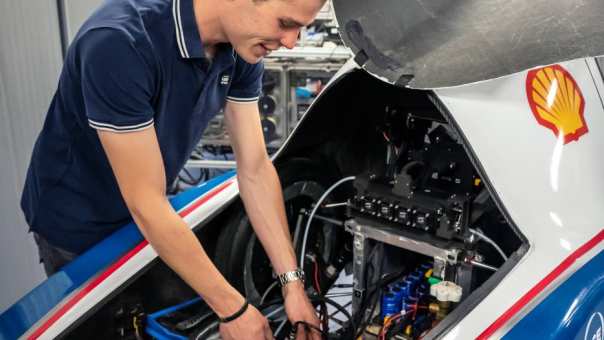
446, 291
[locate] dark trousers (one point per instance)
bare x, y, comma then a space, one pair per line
53, 258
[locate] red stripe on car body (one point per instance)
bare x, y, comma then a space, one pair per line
536, 290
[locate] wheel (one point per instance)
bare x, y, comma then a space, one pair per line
240, 256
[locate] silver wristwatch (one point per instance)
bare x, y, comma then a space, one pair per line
288, 277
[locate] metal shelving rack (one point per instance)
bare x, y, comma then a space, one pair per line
285, 66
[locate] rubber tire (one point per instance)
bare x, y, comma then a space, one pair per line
233, 241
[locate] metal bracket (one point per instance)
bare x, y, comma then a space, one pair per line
359, 265
401, 239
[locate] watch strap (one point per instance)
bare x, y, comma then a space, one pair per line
291, 276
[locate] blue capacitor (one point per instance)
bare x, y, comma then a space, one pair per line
410, 286
390, 305
404, 287
398, 293
415, 281
409, 303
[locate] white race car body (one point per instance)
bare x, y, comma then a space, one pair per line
552, 190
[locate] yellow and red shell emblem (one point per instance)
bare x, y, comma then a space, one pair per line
557, 102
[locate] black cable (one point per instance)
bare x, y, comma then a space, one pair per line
364, 322
369, 294
323, 308
371, 291
334, 304
191, 180
270, 303
323, 299
343, 285
308, 327
191, 176
312, 298
319, 299
362, 305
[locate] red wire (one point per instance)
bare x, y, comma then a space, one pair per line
384, 330
318, 288
386, 137
316, 270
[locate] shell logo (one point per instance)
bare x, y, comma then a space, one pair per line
557, 102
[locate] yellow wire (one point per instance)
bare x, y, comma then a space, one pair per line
135, 327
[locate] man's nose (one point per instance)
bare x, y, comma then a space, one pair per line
289, 38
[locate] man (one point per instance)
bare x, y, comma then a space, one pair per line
140, 82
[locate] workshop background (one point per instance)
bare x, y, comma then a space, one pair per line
33, 38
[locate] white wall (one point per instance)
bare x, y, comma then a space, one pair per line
29, 66
76, 11
30, 62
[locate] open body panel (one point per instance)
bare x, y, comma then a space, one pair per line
439, 43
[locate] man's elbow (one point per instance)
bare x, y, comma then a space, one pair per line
143, 207
252, 169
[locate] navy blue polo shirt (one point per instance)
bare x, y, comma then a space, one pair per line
134, 65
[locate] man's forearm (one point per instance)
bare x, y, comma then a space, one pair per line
263, 200
178, 247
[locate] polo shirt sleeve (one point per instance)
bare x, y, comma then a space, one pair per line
247, 82
117, 83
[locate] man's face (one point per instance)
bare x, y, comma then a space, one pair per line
256, 28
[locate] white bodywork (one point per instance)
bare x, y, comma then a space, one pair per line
553, 192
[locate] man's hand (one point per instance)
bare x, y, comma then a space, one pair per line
250, 325
299, 308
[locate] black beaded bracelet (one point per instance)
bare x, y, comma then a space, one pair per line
236, 315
